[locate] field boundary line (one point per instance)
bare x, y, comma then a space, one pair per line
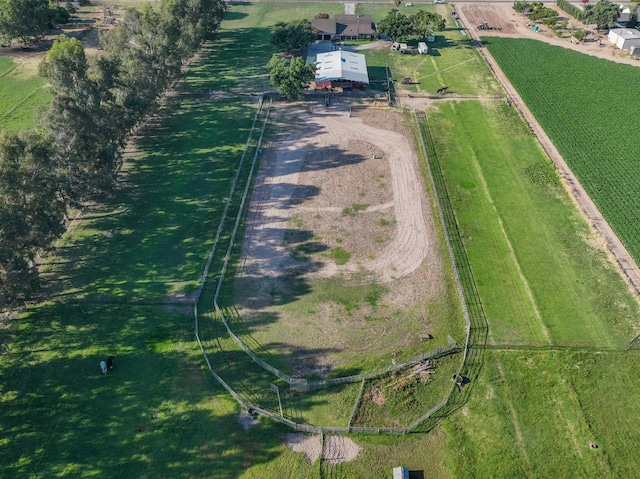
355, 405
471, 304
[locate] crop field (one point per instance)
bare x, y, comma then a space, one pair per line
22, 94
556, 379
584, 103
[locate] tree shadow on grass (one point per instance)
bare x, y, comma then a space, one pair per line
157, 413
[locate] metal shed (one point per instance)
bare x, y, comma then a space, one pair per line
341, 67
624, 38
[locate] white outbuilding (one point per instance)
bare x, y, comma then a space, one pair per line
624, 38
341, 68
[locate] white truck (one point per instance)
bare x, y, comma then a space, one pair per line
423, 49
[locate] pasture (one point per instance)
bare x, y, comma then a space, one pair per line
583, 122
122, 281
22, 94
541, 272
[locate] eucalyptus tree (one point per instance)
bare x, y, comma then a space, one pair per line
32, 210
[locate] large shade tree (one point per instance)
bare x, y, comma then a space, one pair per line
292, 76
77, 121
31, 211
294, 35
604, 14
399, 27
426, 23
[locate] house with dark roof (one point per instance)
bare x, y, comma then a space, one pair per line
345, 27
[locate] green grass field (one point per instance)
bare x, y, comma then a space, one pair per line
541, 279
121, 274
22, 95
582, 122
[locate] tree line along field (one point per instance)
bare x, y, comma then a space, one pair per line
22, 94
532, 413
587, 106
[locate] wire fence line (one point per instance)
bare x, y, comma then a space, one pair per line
470, 301
234, 182
477, 328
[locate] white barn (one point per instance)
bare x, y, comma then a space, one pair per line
624, 38
341, 68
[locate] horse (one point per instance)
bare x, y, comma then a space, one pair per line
110, 363
103, 366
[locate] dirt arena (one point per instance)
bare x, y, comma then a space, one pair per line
334, 181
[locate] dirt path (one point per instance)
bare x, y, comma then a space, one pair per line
615, 247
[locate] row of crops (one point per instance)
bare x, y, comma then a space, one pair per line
590, 109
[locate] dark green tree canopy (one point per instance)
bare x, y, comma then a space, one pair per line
65, 64
604, 14
400, 27
76, 153
26, 20
292, 76
31, 211
396, 25
425, 23
294, 35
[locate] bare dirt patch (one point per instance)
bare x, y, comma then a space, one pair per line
337, 449
493, 15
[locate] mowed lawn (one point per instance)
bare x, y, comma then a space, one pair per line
158, 414
543, 277
22, 95
118, 285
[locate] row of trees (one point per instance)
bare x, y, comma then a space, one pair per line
399, 26
74, 154
27, 20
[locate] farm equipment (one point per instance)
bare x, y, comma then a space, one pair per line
486, 26
406, 81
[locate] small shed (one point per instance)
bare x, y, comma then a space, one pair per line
400, 473
624, 38
423, 49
